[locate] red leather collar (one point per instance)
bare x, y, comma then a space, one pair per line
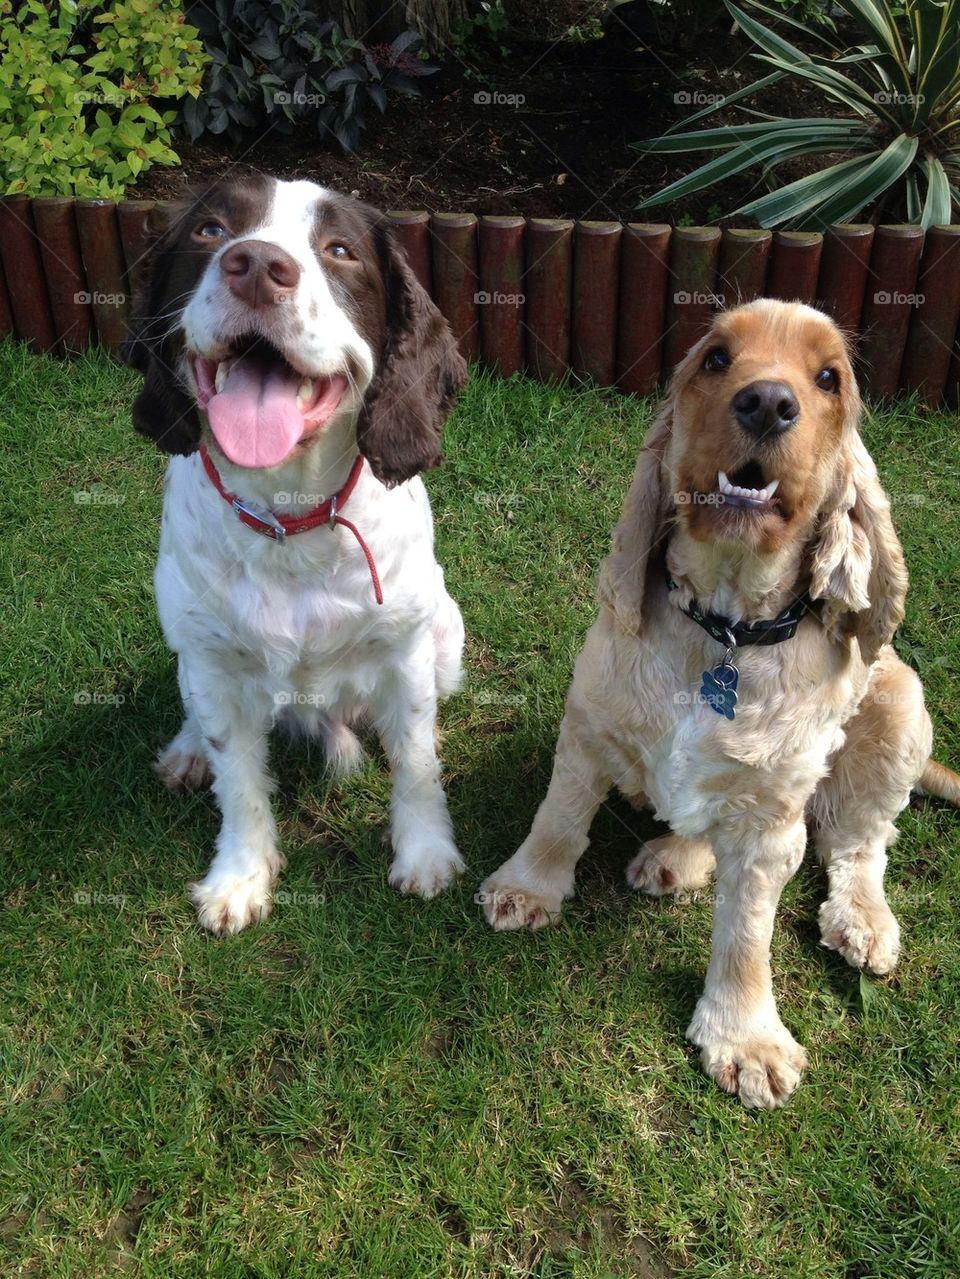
280, 527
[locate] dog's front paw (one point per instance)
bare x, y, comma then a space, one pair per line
670, 864
183, 765
511, 901
426, 871
227, 903
508, 908
866, 936
762, 1066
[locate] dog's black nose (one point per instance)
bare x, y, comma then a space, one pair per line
765, 408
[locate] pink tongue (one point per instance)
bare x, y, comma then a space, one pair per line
255, 417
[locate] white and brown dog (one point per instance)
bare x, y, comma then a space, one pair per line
301, 376
740, 678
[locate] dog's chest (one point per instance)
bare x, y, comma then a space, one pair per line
305, 606
696, 765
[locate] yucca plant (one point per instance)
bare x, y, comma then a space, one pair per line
895, 139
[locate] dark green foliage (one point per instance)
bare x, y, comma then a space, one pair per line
277, 65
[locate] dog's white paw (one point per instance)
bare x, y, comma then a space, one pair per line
427, 872
227, 903
866, 936
183, 765
670, 864
762, 1065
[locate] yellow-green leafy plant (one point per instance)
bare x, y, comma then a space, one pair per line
88, 91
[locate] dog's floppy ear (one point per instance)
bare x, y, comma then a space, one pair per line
857, 565
164, 411
641, 529
420, 373
648, 512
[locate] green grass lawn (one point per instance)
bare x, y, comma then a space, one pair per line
366, 1085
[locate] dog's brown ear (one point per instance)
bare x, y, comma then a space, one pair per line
164, 411
641, 529
857, 566
421, 371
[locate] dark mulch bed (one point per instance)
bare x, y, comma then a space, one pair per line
565, 150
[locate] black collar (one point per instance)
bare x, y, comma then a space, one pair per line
744, 634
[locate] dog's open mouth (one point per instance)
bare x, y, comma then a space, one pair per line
746, 488
259, 406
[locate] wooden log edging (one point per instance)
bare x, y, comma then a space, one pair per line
617, 304
501, 299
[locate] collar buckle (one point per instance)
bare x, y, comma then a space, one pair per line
269, 523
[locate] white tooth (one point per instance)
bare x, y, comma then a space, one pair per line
771, 488
305, 392
220, 380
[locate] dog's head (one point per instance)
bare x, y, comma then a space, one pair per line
758, 448
270, 310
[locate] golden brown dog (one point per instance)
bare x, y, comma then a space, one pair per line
755, 542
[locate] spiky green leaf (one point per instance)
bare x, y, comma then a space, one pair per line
877, 176
938, 206
731, 135
800, 198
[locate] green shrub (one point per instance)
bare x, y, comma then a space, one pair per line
84, 92
277, 65
895, 143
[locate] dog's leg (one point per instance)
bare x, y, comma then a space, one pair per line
448, 638
183, 765
235, 718
745, 1046
855, 920
528, 890
855, 807
425, 856
671, 864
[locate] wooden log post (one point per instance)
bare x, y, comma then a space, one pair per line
887, 307
63, 266
844, 268
744, 259
24, 274
644, 280
596, 266
547, 277
951, 392
692, 299
412, 230
455, 282
7, 327
105, 268
501, 293
134, 217
933, 325
795, 266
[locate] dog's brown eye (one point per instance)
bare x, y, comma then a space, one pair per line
717, 359
339, 251
210, 231
827, 380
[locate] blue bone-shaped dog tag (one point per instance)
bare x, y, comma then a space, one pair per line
719, 688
